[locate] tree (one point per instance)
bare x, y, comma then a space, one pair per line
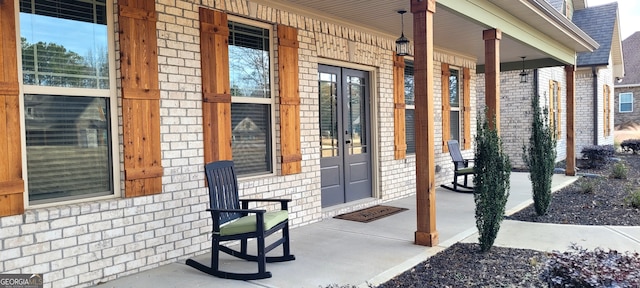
491, 182
540, 156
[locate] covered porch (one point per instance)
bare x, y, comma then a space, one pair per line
501, 35
345, 252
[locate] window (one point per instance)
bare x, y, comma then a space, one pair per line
409, 100
68, 95
625, 102
454, 105
251, 109
555, 105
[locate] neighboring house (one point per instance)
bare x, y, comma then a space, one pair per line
307, 95
627, 90
595, 74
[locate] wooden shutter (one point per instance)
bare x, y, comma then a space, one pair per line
446, 118
216, 97
399, 136
466, 102
140, 97
289, 100
558, 111
11, 183
606, 104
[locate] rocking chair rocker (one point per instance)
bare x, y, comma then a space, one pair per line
460, 168
241, 224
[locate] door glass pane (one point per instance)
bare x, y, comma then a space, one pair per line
454, 97
328, 115
64, 43
68, 147
356, 116
251, 138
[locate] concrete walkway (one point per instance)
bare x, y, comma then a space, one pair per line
344, 252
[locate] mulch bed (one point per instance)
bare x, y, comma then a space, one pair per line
462, 265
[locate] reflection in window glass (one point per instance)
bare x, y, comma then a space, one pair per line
356, 115
249, 61
409, 100
410, 130
68, 147
454, 95
251, 138
64, 43
328, 115
409, 93
251, 119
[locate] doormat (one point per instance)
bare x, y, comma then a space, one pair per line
370, 214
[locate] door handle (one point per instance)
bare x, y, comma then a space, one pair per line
348, 141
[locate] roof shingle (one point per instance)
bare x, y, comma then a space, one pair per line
598, 22
631, 55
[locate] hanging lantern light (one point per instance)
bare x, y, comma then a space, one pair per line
402, 43
523, 75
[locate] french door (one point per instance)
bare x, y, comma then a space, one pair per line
345, 158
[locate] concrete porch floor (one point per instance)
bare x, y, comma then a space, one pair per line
344, 252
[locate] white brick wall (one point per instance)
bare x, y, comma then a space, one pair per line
89, 242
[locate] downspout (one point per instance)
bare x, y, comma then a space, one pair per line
595, 104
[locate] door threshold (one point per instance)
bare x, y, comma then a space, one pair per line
331, 211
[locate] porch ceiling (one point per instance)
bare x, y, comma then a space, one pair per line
454, 31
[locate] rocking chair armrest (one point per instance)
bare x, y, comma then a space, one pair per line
283, 202
255, 211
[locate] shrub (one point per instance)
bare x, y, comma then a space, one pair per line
633, 199
540, 157
587, 185
596, 156
619, 171
491, 183
631, 145
579, 267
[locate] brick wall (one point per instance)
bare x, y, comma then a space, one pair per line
88, 242
585, 133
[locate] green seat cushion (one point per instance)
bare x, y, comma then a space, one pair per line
248, 223
463, 171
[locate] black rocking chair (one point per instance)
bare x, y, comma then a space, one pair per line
460, 168
241, 224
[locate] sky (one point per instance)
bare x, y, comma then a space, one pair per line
629, 11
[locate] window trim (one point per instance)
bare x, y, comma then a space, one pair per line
255, 100
620, 102
460, 106
111, 93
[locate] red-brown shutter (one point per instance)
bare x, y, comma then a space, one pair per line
445, 106
399, 136
11, 183
140, 97
289, 100
216, 97
466, 103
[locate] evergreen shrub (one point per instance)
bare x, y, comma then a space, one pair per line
492, 170
540, 156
